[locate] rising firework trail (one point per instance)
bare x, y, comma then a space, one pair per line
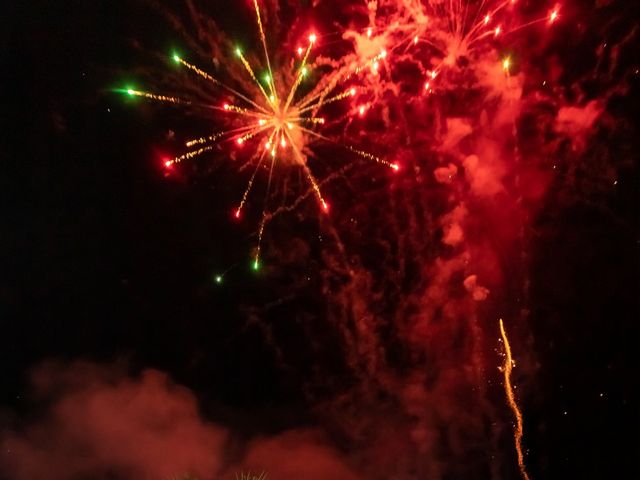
507, 367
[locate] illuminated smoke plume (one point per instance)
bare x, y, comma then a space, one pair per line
479, 123
99, 422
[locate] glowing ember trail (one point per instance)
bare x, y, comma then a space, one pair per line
508, 389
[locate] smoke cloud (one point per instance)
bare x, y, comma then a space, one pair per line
99, 423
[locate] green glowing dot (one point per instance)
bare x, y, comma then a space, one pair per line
256, 265
130, 92
304, 71
218, 279
176, 58
267, 78
238, 52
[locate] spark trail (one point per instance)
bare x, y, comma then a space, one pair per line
507, 367
437, 37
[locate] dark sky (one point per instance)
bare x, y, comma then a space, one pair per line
105, 258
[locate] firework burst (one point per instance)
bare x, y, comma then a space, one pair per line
272, 119
435, 36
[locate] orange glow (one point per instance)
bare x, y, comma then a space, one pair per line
506, 369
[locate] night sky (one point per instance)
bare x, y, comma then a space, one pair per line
108, 290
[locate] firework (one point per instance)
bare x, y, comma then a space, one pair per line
435, 36
507, 367
251, 476
277, 124
459, 215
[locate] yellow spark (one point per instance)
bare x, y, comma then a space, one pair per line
197, 141
189, 155
307, 171
233, 108
205, 75
250, 184
247, 66
322, 102
251, 476
263, 39
505, 64
301, 74
370, 156
508, 389
264, 208
240, 140
159, 98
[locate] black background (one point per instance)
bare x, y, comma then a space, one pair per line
102, 256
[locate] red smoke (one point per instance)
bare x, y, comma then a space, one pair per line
101, 423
